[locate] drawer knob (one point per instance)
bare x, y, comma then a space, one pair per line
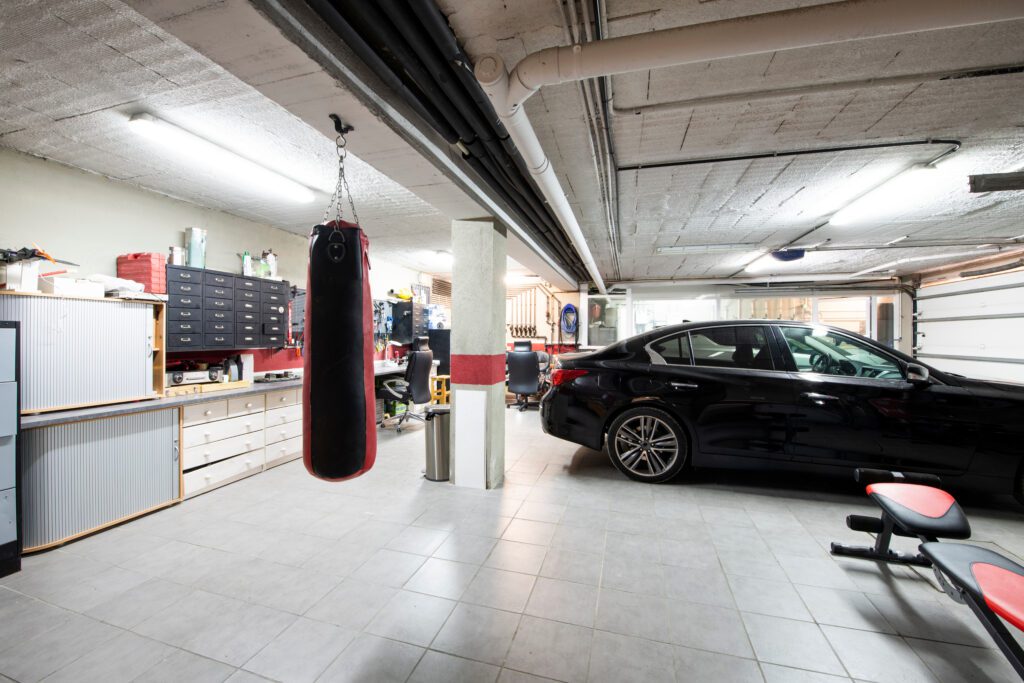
248, 405
206, 435
208, 413
282, 399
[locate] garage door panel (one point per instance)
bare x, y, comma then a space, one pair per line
994, 338
974, 327
986, 303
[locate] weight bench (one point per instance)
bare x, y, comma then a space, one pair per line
990, 584
912, 507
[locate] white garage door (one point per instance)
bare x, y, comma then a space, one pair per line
974, 327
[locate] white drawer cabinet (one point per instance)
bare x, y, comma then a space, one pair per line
282, 397
284, 451
221, 429
198, 413
280, 416
222, 472
289, 430
245, 405
204, 454
227, 439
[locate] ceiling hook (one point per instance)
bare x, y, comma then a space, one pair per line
340, 127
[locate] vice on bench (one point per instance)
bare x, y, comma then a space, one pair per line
912, 507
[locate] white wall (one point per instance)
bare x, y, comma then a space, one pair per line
90, 220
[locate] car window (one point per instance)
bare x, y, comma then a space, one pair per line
817, 349
673, 350
732, 347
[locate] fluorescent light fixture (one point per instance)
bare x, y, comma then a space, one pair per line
227, 165
514, 279
896, 241
915, 259
701, 248
888, 198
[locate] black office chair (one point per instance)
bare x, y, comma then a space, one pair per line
414, 389
524, 378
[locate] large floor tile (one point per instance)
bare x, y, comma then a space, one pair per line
438, 667
517, 557
699, 665
479, 633
352, 603
301, 652
369, 659
54, 649
500, 589
764, 596
411, 617
551, 649
708, 627
797, 644
616, 658
443, 578
878, 656
186, 666
573, 603
123, 658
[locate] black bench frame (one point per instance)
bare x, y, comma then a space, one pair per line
886, 526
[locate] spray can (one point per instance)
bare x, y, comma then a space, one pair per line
247, 264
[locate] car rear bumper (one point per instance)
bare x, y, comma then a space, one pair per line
562, 415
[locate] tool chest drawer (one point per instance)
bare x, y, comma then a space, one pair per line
184, 274
184, 288
207, 477
198, 413
221, 429
212, 277
204, 454
280, 416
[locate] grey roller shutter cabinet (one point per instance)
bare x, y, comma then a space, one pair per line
81, 352
79, 476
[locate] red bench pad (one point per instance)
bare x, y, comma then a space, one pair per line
922, 510
990, 578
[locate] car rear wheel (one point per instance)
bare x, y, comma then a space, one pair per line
647, 444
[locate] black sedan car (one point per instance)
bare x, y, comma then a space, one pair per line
786, 396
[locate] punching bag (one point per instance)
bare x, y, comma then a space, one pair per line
339, 436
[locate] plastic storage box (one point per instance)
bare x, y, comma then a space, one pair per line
147, 268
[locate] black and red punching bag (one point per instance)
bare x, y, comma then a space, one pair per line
339, 436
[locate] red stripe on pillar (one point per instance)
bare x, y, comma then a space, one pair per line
482, 369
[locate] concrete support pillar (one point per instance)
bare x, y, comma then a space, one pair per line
478, 354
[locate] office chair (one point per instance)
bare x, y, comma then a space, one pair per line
414, 389
524, 378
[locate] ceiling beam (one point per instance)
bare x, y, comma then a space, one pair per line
997, 182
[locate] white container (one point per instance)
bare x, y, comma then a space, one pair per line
195, 238
21, 276
69, 286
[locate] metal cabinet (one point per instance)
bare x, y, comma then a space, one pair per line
224, 300
79, 477
10, 518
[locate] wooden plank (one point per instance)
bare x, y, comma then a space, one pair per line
997, 182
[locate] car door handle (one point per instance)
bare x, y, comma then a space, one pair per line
683, 385
818, 399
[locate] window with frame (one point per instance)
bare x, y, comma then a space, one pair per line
736, 346
673, 350
819, 350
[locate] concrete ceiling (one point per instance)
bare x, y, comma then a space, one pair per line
71, 73
770, 203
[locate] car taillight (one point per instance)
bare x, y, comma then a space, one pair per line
560, 376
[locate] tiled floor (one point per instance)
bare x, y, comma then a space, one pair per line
570, 572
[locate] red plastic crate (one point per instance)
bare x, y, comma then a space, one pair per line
147, 268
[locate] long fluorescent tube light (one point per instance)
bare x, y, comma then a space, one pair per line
915, 259
702, 248
883, 201
230, 166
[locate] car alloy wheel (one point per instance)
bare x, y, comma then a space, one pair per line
647, 444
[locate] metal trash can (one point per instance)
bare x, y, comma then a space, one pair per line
439, 453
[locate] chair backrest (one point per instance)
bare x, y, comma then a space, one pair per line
543, 360
522, 345
417, 374
523, 372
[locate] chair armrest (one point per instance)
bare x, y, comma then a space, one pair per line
391, 385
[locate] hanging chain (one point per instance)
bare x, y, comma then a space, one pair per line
342, 187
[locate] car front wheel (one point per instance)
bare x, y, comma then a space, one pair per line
647, 444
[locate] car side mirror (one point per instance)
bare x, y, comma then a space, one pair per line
917, 374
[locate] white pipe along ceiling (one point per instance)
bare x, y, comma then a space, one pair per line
764, 33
